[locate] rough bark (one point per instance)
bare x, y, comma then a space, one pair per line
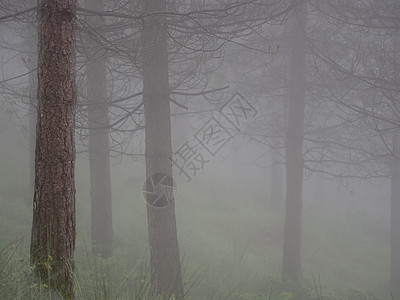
294, 148
99, 152
164, 253
53, 228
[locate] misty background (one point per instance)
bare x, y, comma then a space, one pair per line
230, 214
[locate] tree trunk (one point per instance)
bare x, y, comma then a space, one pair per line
31, 64
32, 131
53, 228
164, 253
99, 152
294, 148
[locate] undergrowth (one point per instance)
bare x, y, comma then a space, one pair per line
98, 278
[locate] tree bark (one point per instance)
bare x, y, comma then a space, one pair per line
164, 252
294, 148
53, 228
99, 148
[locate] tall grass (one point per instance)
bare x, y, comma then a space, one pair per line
95, 278
98, 278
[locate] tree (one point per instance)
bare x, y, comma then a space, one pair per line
165, 264
53, 227
99, 149
294, 147
31, 64
26, 50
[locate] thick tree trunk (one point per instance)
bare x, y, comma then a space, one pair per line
294, 148
53, 228
163, 242
99, 152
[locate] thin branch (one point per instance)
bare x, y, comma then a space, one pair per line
2, 18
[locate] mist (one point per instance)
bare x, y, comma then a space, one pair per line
199, 150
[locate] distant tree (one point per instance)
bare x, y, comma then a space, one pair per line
291, 266
30, 62
164, 252
98, 130
53, 227
19, 17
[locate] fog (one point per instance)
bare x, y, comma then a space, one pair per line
214, 150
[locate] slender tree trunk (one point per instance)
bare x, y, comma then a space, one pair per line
99, 152
32, 118
32, 130
294, 148
32, 134
53, 228
163, 242
31, 64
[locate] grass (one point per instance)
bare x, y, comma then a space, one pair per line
97, 278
